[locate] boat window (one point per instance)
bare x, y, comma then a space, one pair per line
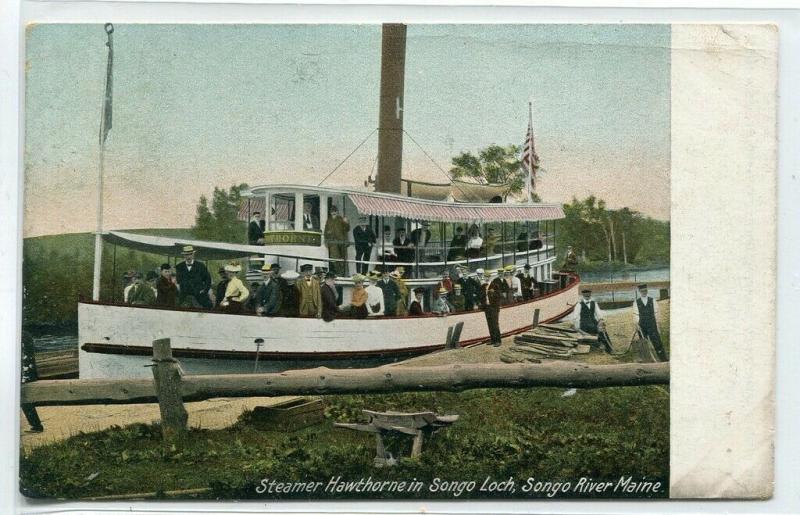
281, 212
310, 215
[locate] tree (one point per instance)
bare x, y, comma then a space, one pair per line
220, 222
493, 165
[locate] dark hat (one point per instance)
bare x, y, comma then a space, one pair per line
419, 290
586, 290
165, 266
151, 275
221, 270
276, 265
330, 275
399, 229
307, 268
334, 209
320, 269
642, 286
256, 213
527, 267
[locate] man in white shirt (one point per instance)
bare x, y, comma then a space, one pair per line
589, 318
374, 295
646, 313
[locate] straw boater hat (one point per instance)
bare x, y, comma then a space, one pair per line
358, 278
267, 267
290, 274
509, 269
479, 271
488, 273
233, 266
443, 291
187, 249
396, 274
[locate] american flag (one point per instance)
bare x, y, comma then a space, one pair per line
530, 161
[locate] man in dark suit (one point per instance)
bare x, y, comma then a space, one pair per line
193, 280
458, 245
330, 310
403, 247
490, 299
364, 238
268, 295
255, 230
527, 281
310, 220
391, 293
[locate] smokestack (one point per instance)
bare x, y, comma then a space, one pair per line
390, 119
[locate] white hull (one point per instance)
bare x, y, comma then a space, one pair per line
115, 340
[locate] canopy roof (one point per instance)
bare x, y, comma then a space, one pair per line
385, 204
168, 246
459, 191
418, 209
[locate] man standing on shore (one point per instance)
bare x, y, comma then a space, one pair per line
646, 313
589, 318
490, 300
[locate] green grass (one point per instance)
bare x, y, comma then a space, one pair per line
601, 433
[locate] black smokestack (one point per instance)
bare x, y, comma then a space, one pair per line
390, 123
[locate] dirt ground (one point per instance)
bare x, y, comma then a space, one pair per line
61, 422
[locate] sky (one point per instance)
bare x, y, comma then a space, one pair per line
199, 106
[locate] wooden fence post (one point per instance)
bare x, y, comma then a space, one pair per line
456, 336
535, 318
167, 375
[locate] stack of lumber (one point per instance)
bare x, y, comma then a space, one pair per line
558, 341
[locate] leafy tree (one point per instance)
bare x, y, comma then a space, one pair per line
493, 165
220, 221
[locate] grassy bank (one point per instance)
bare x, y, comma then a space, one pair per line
539, 433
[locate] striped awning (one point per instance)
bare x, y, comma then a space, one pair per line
416, 209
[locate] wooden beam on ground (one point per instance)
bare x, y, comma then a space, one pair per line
325, 381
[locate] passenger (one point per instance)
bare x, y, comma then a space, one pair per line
507, 283
255, 229
417, 308
166, 289
358, 301
330, 309
250, 304
515, 283
391, 294
570, 261
220, 288
445, 282
458, 245
194, 281
490, 244
310, 220
268, 295
442, 306
490, 299
403, 247
458, 300
387, 245
336, 229
375, 304
522, 242
309, 294
290, 297
471, 286
236, 293
420, 238
141, 294
276, 276
527, 282
364, 238
319, 274
402, 287
128, 281
474, 242
646, 313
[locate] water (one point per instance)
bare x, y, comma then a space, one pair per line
49, 342
640, 276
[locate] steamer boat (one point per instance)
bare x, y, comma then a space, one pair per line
115, 338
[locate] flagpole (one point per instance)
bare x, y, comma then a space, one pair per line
105, 126
530, 154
